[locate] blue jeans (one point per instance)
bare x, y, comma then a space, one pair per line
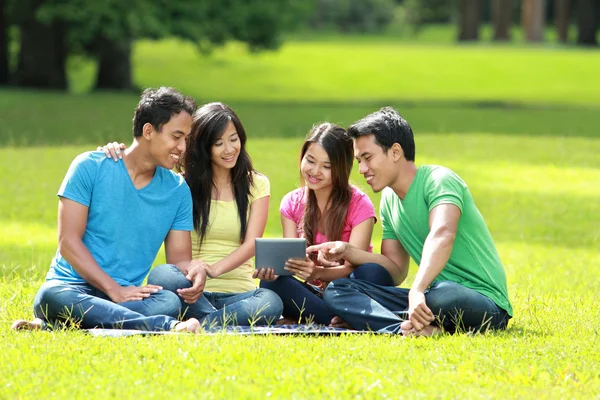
368, 306
302, 301
256, 307
88, 307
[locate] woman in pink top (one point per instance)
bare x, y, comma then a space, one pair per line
326, 208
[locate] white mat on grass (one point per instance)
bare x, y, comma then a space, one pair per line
240, 330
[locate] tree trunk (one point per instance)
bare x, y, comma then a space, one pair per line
43, 54
561, 19
114, 64
501, 19
4, 73
469, 19
532, 19
587, 22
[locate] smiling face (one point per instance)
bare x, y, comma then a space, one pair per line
316, 168
225, 151
168, 145
373, 163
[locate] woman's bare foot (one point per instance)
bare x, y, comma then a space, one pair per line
286, 321
191, 325
24, 325
337, 322
408, 329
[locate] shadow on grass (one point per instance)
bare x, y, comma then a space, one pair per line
522, 331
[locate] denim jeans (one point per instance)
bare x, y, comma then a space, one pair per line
58, 301
301, 300
368, 306
212, 309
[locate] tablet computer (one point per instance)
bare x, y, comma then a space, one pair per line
273, 253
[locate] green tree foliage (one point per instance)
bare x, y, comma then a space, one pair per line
105, 29
422, 12
353, 15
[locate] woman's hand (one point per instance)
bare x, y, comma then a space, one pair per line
113, 150
265, 274
302, 268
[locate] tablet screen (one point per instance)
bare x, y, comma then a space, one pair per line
273, 253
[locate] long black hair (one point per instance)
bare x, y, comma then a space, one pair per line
338, 146
209, 124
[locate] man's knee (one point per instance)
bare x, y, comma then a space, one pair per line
169, 277
458, 307
51, 298
373, 272
167, 303
445, 295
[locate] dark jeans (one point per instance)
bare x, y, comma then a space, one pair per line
368, 306
88, 307
301, 300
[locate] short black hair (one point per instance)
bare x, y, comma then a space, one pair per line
157, 106
389, 127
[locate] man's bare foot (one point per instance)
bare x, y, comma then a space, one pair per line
191, 325
24, 325
337, 322
286, 321
408, 329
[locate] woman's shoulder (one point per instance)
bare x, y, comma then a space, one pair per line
258, 178
359, 196
261, 186
296, 195
360, 203
293, 199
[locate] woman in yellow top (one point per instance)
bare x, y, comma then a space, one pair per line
230, 206
231, 202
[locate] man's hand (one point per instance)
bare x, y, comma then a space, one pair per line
266, 274
330, 253
122, 294
418, 313
196, 275
302, 268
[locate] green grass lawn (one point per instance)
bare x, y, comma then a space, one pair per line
378, 70
525, 140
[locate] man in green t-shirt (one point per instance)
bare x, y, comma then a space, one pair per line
427, 214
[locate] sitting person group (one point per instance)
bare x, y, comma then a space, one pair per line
118, 206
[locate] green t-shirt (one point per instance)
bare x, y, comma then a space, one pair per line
474, 261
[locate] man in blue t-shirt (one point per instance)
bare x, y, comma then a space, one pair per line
112, 221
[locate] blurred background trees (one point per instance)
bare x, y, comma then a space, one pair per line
37, 37
48, 31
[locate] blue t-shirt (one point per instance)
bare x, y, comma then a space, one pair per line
125, 226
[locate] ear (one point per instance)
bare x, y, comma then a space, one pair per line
147, 131
397, 152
